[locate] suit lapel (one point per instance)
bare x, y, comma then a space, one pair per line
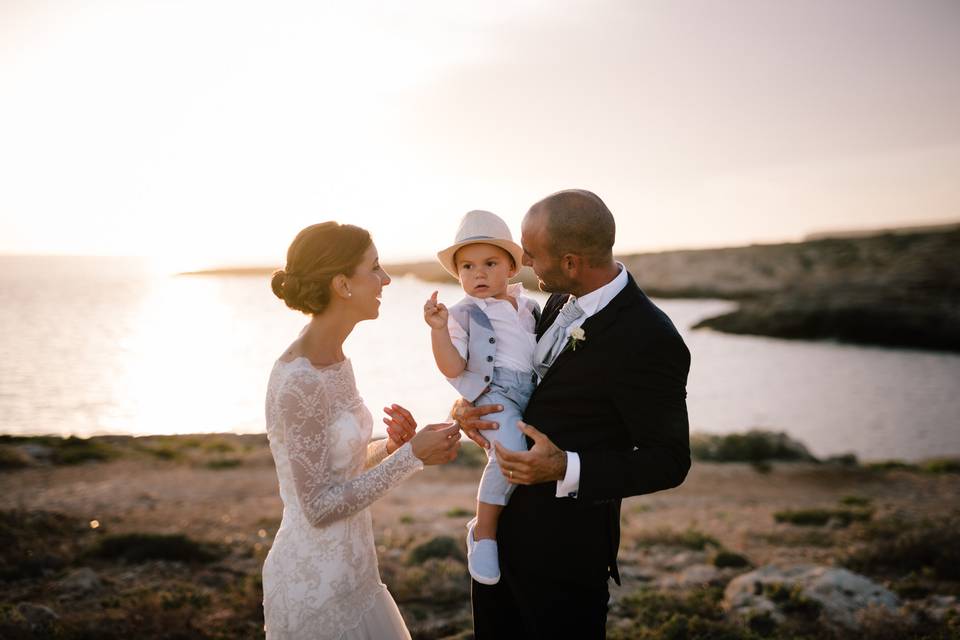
550, 312
597, 324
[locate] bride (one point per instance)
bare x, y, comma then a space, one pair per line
321, 579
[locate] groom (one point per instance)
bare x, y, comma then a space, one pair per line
607, 420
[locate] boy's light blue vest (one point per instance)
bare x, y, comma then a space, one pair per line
481, 347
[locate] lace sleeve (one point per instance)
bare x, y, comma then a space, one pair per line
376, 452
308, 411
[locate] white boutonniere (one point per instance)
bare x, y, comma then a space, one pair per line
576, 337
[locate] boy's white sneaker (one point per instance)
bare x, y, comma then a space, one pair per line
482, 558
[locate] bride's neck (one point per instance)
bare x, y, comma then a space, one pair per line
322, 343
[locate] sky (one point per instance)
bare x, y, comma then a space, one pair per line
208, 132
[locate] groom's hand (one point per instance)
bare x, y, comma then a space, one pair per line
469, 418
544, 462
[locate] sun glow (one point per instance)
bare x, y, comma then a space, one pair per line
698, 127
172, 370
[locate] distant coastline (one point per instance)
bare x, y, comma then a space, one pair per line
896, 287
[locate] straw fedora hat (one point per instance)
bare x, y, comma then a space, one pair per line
480, 227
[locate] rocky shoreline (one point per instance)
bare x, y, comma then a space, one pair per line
892, 290
164, 537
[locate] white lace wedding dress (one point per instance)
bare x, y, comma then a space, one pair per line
321, 579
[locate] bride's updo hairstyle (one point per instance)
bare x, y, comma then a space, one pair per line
316, 256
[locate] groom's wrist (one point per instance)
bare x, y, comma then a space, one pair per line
569, 485
561, 464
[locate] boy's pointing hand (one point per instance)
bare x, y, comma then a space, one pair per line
435, 313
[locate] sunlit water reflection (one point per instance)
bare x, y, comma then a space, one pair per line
93, 346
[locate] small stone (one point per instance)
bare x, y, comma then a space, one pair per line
39, 617
211, 579
686, 559
939, 607
81, 582
692, 576
636, 573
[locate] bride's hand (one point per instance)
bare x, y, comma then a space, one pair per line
401, 427
437, 443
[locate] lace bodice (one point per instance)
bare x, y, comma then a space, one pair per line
321, 574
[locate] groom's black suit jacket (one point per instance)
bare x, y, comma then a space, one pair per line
619, 401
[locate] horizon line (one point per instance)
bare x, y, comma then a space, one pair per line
840, 233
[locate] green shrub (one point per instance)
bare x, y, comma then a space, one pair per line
820, 517
163, 452
140, 547
458, 512
820, 538
791, 601
653, 607
804, 517
438, 547
855, 501
439, 581
891, 465
761, 466
842, 460
75, 450
218, 446
11, 458
754, 446
689, 539
659, 615
942, 465
223, 463
184, 596
900, 547
34, 543
912, 587
729, 559
471, 455
762, 623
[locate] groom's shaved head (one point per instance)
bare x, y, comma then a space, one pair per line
578, 221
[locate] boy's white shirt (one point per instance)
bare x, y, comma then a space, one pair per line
514, 328
591, 303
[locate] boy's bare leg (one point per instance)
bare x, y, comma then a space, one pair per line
487, 517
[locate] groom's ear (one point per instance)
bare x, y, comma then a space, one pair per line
571, 264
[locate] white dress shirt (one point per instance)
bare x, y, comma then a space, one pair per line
591, 303
515, 330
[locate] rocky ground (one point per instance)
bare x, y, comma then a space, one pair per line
164, 538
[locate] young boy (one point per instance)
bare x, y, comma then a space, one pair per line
484, 346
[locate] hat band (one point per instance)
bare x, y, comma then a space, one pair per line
478, 238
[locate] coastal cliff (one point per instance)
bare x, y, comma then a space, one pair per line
895, 288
